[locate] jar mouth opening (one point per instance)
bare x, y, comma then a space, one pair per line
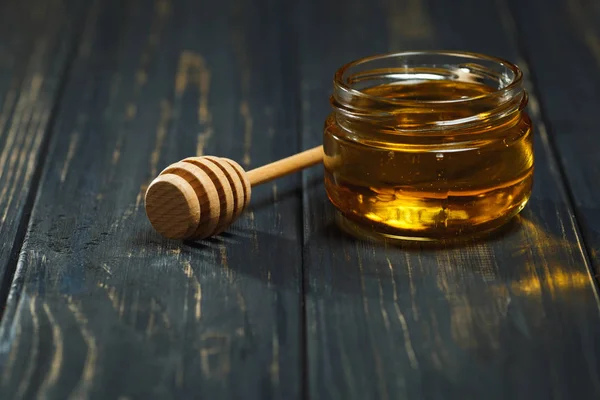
503, 77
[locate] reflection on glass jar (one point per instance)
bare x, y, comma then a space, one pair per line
428, 145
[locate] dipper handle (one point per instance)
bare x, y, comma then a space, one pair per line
286, 166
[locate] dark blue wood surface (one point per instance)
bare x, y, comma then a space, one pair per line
96, 97
562, 45
37, 42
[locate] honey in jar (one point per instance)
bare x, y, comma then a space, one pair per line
428, 145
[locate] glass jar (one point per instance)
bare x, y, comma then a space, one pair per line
428, 145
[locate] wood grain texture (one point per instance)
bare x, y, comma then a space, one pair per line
101, 305
515, 316
36, 38
562, 43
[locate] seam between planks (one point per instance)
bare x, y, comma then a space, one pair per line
292, 47
552, 145
6, 286
291, 44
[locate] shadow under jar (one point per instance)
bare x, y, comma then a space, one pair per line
428, 145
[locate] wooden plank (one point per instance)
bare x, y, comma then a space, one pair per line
102, 307
563, 45
36, 39
515, 316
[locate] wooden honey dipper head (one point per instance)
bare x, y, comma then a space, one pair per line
199, 197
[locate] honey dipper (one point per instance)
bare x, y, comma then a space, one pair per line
199, 197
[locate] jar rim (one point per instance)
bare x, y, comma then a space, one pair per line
514, 84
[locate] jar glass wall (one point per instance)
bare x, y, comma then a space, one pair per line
428, 145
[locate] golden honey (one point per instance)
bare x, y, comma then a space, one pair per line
428, 146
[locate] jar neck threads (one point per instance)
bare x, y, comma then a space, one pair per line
418, 92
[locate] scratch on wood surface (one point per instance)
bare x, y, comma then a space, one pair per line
161, 133
547, 273
408, 19
274, 369
106, 268
382, 307
365, 297
394, 286
123, 302
241, 52
214, 355
162, 11
413, 290
410, 351
165, 320
203, 138
89, 368
140, 196
116, 155
69, 157
189, 272
437, 361
57, 358
192, 70
241, 302
33, 352
130, 111
184, 308
247, 117
150, 327
35, 86
164, 317
223, 253
141, 77
250, 214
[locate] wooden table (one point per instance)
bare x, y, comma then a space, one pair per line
96, 97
